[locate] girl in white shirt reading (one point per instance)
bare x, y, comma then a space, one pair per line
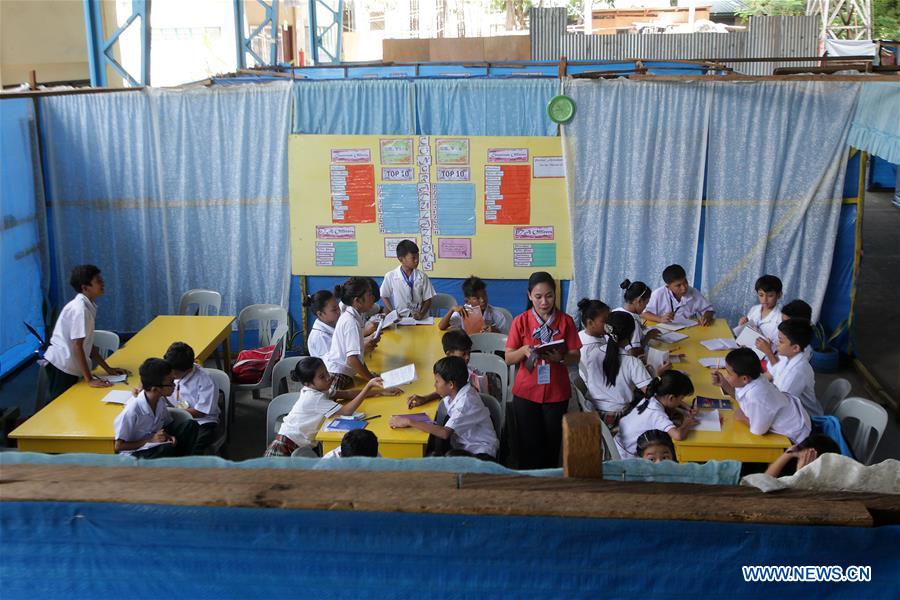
324, 305
345, 357
664, 396
636, 296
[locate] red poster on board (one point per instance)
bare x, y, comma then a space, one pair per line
507, 194
352, 193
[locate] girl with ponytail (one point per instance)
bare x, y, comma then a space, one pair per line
637, 295
664, 396
324, 305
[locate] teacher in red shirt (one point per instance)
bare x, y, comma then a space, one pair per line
541, 389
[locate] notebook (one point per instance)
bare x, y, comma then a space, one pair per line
388, 320
676, 324
709, 421
345, 425
402, 376
115, 378
411, 321
704, 402
419, 417
117, 397
719, 344
473, 322
713, 362
671, 337
747, 339
656, 358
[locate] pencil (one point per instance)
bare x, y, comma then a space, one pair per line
370, 418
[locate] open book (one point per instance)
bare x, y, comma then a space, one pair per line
748, 337
402, 376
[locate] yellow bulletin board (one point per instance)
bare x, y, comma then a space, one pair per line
492, 206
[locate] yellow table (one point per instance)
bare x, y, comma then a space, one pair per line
78, 420
399, 346
735, 440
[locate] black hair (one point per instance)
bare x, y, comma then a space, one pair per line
797, 331
472, 286
591, 309
452, 369
316, 303
456, 340
635, 290
353, 288
671, 382
768, 283
180, 356
744, 362
359, 442
619, 327
653, 437
376, 291
673, 273
82, 275
306, 368
536, 278
406, 247
153, 371
821, 443
797, 309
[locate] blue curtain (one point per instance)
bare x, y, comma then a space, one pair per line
484, 106
777, 158
876, 124
171, 190
353, 107
23, 242
635, 155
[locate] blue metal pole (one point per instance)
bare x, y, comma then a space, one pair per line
273, 15
142, 8
93, 28
313, 33
238, 33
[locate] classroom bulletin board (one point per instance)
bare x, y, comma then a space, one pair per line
491, 206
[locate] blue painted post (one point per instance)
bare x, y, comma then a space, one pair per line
273, 16
142, 8
238, 33
93, 28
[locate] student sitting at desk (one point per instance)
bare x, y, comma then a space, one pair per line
475, 296
760, 405
765, 316
72, 343
313, 406
406, 288
637, 296
790, 369
676, 299
195, 392
324, 305
346, 357
457, 342
144, 428
468, 427
356, 442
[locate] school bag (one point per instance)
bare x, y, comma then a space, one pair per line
251, 364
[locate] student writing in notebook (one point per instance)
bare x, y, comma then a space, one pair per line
195, 392
324, 305
406, 288
468, 428
664, 397
476, 300
677, 300
766, 315
315, 403
346, 356
457, 342
637, 295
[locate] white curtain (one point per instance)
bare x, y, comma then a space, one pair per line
777, 158
171, 190
635, 154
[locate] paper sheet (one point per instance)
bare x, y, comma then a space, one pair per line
388, 320
671, 337
747, 339
713, 363
117, 397
719, 344
656, 358
401, 376
115, 378
709, 421
676, 324
411, 321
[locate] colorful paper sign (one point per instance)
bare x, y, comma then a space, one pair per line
536, 232
507, 155
397, 173
453, 173
534, 255
336, 254
507, 194
396, 151
351, 155
335, 232
451, 151
390, 245
456, 248
549, 166
352, 193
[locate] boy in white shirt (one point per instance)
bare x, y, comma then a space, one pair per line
475, 297
468, 427
72, 343
144, 428
677, 300
313, 406
406, 288
760, 405
765, 316
790, 369
356, 442
195, 392
457, 342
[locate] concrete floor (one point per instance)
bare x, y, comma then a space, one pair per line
877, 330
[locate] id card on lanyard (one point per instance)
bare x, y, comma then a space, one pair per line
544, 333
543, 373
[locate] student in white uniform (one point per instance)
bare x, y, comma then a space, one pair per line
664, 396
324, 305
72, 343
612, 374
457, 342
313, 406
765, 316
356, 442
760, 405
677, 300
195, 392
592, 315
475, 296
144, 428
406, 288
790, 369
468, 428
798, 309
346, 357
637, 295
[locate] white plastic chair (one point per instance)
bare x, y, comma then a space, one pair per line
223, 386
268, 317
281, 376
441, 302
490, 363
106, 342
869, 418
278, 408
493, 406
200, 302
266, 379
489, 342
505, 313
836, 391
610, 450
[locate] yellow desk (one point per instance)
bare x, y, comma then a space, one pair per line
78, 420
735, 440
419, 344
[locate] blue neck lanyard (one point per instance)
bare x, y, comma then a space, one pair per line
409, 280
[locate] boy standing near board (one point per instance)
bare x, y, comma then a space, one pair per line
406, 287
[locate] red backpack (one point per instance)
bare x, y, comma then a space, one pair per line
251, 364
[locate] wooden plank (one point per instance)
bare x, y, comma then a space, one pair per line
581, 439
439, 493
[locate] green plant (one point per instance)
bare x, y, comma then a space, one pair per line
823, 341
773, 8
886, 19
